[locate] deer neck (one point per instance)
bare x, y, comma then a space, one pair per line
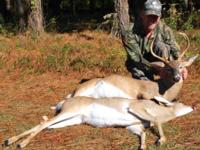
168, 89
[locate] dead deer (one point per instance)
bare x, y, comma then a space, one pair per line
134, 115
127, 87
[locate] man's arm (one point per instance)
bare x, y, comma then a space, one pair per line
174, 49
134, 51
171, 42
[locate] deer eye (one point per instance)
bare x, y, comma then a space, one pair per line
180, 67
168, 69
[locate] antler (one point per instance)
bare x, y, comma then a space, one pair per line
188, 44
156, 56
180, 57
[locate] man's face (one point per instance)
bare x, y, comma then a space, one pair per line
149, 21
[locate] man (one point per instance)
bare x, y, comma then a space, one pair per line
137, 41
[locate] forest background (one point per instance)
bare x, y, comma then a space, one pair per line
69, 15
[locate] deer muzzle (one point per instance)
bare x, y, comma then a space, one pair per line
177, 78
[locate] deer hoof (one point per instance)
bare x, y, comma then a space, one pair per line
6, 143
161, 141
143, 147
19, 147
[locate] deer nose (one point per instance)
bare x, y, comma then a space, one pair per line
177, 78
194, 107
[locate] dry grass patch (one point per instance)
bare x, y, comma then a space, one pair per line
36, 72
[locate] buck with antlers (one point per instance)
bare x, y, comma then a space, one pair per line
127, 87
135, 115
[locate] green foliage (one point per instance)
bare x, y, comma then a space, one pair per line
188, 24
81, 63
33, 4
86, 46
181, 20
52, 25
192, 21
2, 29
6, 117
51, 61
23, 62
67, 48
196, 38
172, 22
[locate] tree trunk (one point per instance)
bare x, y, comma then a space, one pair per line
21, 15
73, 6
35, 19
5, 7
122, 9
92, 5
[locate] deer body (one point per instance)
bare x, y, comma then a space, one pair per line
107, 112
127, 87
130, 88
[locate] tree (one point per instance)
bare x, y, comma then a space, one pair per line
21, 14
122, 9
73, 6
35, 18
5, 7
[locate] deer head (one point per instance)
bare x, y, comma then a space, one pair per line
181, 109
173, 68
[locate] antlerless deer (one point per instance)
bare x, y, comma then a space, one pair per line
134, 115
127, 87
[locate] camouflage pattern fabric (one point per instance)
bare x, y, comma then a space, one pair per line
138, 49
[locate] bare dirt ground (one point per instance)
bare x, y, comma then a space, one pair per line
25, 98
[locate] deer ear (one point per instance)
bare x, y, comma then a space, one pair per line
163, 100
189, 61
157, 64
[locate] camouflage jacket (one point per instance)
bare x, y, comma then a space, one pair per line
138, 48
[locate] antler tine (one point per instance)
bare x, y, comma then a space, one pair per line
188, 44
156, 56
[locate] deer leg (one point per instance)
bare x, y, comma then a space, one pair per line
18, 137
68, 121
142, 141
139, 130
162, 138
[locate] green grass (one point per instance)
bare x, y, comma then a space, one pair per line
6, 117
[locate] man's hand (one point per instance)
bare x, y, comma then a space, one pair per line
184, 73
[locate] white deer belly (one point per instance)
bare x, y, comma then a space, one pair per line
104, 89
102, 116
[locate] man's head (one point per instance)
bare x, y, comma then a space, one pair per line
150, 14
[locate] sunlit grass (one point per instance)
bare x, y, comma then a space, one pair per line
40, 70
62, 53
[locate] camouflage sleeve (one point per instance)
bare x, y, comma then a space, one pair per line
133, 50
170, 40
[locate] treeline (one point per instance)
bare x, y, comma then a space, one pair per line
60, 15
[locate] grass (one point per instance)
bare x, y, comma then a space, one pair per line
6, 117
62, 53
36, 72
